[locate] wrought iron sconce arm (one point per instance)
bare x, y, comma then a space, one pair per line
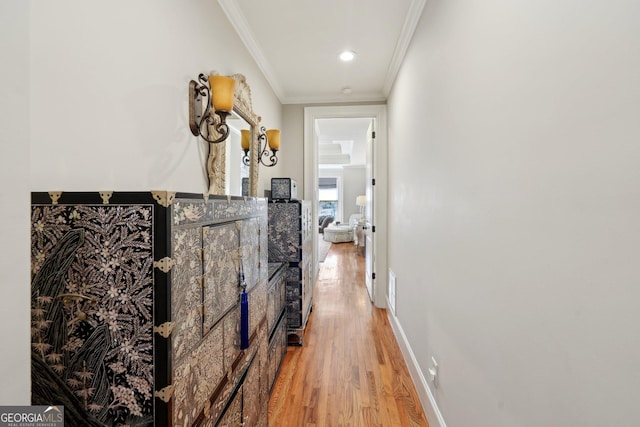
246, 160
266, 155
199, 121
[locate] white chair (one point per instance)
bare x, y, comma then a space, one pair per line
339, 233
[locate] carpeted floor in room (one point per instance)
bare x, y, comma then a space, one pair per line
323, 248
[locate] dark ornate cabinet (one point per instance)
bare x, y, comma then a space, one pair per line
290, 241
136, 308
276, 320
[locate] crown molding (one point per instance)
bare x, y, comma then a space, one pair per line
410, 23
335, 99
237, 19
240, 24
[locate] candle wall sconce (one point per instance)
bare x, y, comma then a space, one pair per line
268, 146
217, 94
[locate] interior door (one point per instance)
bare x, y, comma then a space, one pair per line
370, 193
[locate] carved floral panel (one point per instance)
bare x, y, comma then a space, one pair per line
186, 291
197, 376
284, 232
250, 250
221, 271
92, 311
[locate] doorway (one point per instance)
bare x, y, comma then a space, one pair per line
377, 200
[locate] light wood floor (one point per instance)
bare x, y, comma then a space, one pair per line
350, 371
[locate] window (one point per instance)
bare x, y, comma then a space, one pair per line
328, 197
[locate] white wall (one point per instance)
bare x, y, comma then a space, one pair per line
15, 293
293, 154
515, 231
354, 186
351, 182
97, 94
109, 91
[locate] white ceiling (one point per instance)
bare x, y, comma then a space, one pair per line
296, 45
349, 134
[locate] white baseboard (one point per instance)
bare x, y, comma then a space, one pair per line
428, 401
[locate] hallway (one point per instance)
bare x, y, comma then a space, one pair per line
350, 371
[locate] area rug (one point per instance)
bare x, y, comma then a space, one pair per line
323, 248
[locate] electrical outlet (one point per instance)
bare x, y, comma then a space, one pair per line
433, 372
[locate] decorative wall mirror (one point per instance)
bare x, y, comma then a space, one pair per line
235, 170
248, 120
225, 167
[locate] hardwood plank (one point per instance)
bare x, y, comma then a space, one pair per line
350, 371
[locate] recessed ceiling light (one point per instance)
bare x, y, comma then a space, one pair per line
346, 90
347, 56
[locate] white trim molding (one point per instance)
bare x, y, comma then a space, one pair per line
409, 27
242, 27
427, 399
377, 112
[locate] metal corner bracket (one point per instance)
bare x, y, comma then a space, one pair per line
164, 265
165, 394
164, 198
165, 329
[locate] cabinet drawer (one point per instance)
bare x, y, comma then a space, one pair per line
276, 300
295, 313
277, 351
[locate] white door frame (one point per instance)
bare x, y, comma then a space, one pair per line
379, 113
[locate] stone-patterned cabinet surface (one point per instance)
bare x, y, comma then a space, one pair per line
290, 241
136, 308
276, 319
284, 189
277, 297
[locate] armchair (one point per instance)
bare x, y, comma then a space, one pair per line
324, 221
